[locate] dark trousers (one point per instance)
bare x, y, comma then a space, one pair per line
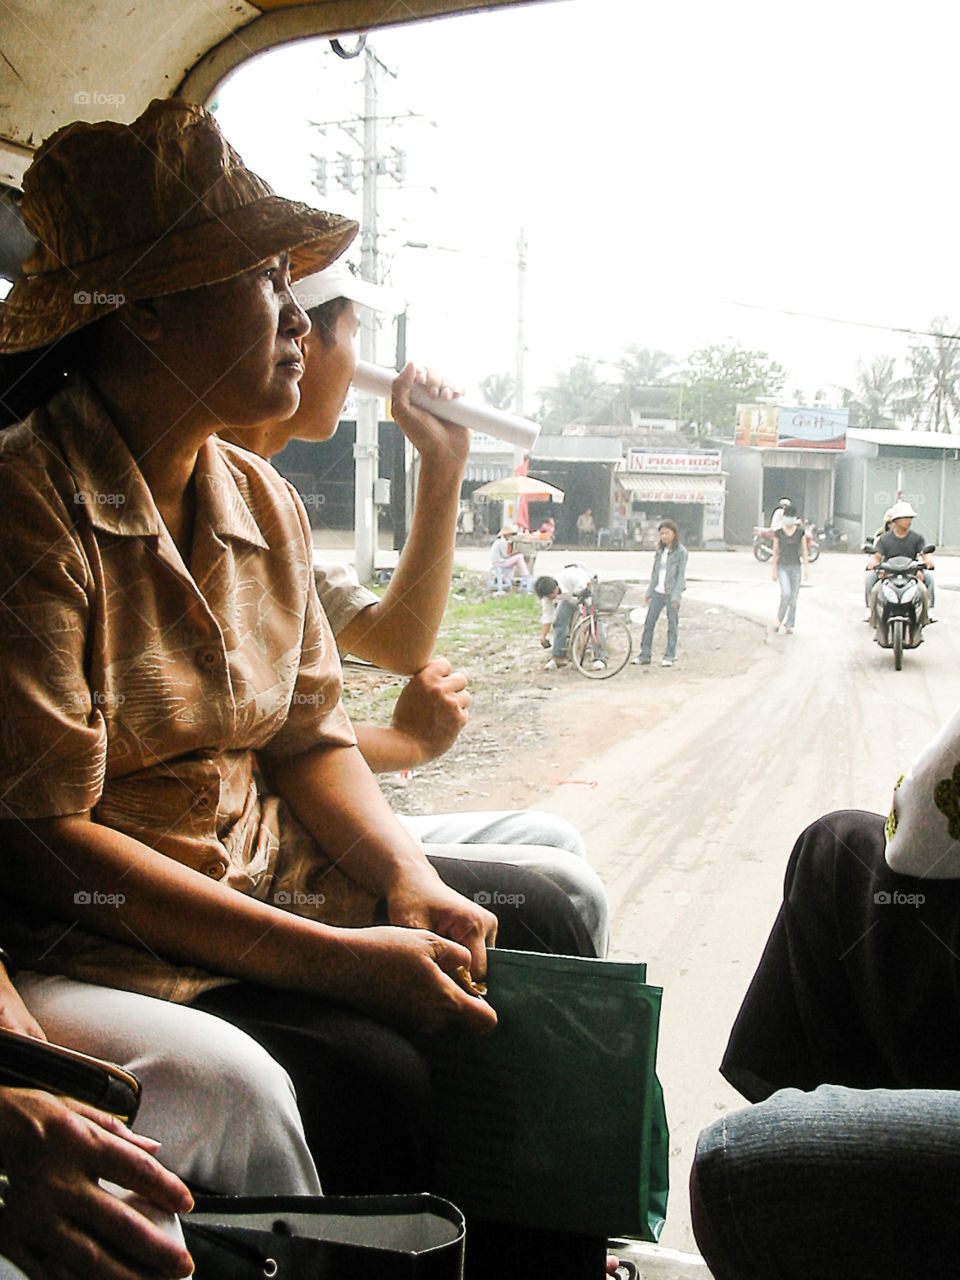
364, 1089
859, 983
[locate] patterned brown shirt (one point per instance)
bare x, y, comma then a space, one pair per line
138, 687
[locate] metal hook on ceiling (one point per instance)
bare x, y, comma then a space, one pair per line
341, 52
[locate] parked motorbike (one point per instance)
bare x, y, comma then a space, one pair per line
763, 543
898, 605
832, 539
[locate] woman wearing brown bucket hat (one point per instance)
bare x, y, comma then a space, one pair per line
159, 625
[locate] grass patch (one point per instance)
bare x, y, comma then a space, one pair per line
488, 636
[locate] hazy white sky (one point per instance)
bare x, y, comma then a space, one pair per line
665, 161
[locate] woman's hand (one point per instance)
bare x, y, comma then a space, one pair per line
434, 440
59, 1222
405, 977
432, 709
14, 1014
425, 902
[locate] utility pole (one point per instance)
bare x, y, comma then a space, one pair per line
366, 451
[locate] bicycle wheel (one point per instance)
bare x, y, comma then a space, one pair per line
600, 646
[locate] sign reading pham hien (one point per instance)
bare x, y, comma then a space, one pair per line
674, 462
767, 427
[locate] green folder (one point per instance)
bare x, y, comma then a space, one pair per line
556, 1119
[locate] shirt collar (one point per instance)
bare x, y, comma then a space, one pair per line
220, 502
108, 481
112, 488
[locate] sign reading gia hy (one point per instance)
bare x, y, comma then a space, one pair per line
802, 428
674, 462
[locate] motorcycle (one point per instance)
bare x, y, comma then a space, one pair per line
897, 615
763, 543
832, 539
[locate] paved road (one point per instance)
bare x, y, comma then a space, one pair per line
693, 819
693, 857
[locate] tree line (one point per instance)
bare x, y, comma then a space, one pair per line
701, 393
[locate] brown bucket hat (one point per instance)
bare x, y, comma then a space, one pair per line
122, 212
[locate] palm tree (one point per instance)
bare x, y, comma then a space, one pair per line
645, 384
880, 397
578, 395
497, 389
935, 379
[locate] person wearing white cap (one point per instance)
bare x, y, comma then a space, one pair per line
502, 558
398, 631
901, 540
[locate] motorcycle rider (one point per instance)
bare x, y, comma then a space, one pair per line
870, 577
784, 507
901, 540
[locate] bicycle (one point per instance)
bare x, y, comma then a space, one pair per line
600, 646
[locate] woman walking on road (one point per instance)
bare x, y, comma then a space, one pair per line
789, 563
667, 582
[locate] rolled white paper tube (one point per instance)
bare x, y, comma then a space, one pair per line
463, 413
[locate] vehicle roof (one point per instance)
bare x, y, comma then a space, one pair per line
106, 59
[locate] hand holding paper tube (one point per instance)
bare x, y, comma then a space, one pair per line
463, 413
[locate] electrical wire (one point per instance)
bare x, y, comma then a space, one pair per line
859, 324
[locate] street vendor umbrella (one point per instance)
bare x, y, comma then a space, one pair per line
519, 487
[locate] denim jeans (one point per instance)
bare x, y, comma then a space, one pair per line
561, 627
658, 602
788, 576
837, 1184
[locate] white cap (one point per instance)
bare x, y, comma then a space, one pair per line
337, 281
901, 511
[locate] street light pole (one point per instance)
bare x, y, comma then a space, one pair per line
521, 348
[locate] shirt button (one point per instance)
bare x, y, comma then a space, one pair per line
203, 801
214, 870
207, 659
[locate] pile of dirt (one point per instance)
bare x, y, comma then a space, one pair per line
530, 728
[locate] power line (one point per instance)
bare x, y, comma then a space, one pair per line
857, 324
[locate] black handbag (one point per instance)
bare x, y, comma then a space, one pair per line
411, 1237
26, 1063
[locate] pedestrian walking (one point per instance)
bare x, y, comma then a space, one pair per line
789, 563
667, 583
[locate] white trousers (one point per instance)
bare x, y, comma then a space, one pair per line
224, 1111
529, 838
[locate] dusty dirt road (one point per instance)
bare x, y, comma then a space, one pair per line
690, 785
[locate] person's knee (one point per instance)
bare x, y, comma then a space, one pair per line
229, 1114
844, 848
